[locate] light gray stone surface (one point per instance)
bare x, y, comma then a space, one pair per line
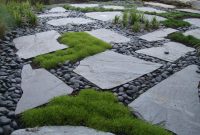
57, 10
113, 7
150, 9
39, 86
65, 21
84, 5
103, 16
176, 50
189, 10
108, 36
173, 103
110, 69
53, 15
193, 21
150, 17
195, 33
40, 43
158, 34
60, 130
159, 4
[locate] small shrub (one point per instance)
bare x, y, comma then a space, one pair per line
154, 23
125, 19
134, 17
175, 23
147, 25
116, 19
39, 6
136, 27
2, 29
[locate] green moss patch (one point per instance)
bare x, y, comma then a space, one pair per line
175, 23
98, 110
187, 40
80, 45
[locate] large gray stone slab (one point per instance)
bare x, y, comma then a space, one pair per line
195, 33
110, 69
151, 17
150, 9
60, 130
175, 50
193, 21
108, 36
159, 4
53, 15
38, 44
189, 11
113, 7
57, 10
39, 86
174, 103
103, 16
65, 21
84, 5
158, 34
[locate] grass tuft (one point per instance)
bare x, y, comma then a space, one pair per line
175, 23
98, 110
80, 45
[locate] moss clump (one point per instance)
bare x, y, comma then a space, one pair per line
98, 110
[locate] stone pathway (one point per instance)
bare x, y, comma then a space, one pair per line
195, 33
151, 17
189, 11
193, 21
160, 5
114, 7
84, 5
57, 10
65, 14
150, 9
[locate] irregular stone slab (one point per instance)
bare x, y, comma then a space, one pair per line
175, 50
53, 15
84, 5
113, 7
65, 21
174, 103
158, 34
39, 86
40, 43
110, 69
57, 10
150, 17
195, 4
103, 16
195, 33
189, 10
159, 4
150, 9
108, 36
193, 21
60, 130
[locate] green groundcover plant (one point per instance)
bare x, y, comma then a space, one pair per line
81, 45
98, 110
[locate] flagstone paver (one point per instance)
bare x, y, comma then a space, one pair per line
113, 7
108, 36
193, 21
158, 34
57, 10
60, 130
150, 17
195, 33
40, 43
110, 69
65, 21
173, 103
84, 5
150, 9
189, 10
53, 15
159, 4
39, 86
170, 51
103, 16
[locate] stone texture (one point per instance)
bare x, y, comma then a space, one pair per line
189, 10
158, 34
159, 4
60, 130
53, 15
175, 50
193, 21
110, 69
174, 103
103, 16
57, 10
108, 36
84, 5
195, 33
150, 9
150, 17
65, 21
39, 86
113, 7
